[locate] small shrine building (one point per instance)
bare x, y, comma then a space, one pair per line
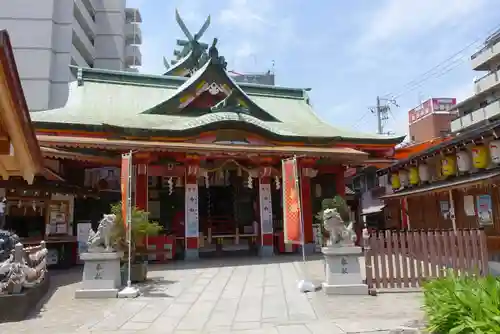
207, 151
456, 181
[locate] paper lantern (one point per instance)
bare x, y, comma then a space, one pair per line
396, 184
480, 156
494, 147
403, 177
464, 161
449, 165
413, 175
423, 172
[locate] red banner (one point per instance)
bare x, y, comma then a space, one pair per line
291, 202
125, 185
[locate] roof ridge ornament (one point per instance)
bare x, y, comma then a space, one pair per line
191, 47
213, 53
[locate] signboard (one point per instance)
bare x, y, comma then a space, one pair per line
106, 178
192, 220
292, 220
266, 210
419, 112
484, 210
437, 105
82, 236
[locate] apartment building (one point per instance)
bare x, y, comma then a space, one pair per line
484, 105
49, 35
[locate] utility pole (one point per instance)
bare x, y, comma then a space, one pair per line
382, 111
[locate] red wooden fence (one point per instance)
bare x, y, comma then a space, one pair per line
402, 259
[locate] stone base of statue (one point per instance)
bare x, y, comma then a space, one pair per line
101, 275
342, 271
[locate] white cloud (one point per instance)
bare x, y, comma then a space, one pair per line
397, 19
247, 16
257, 30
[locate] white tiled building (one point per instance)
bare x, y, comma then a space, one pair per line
49, 35
484, 105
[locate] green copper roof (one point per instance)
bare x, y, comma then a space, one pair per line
104, 98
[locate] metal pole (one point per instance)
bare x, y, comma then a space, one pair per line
129, 219
379, 116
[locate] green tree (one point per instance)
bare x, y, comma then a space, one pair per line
337, 203
140, 228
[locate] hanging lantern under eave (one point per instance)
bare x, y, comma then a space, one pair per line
464, 161
403, 177
480, 157
449, 165
395, 182
413, 175
424, 173
494, 147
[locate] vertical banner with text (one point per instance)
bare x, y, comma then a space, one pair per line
126, 185
291, 202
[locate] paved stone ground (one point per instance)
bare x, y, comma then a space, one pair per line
221, 296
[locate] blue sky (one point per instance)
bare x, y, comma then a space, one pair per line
348, 52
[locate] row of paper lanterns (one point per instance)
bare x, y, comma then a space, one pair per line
480, 157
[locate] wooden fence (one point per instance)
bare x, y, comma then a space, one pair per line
403, 259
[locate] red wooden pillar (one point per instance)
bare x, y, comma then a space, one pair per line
266, 213
307, 214
191, 214
340, 181
141, 186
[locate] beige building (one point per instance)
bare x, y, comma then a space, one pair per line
431, 119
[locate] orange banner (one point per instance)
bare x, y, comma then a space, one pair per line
125, 185
291, 202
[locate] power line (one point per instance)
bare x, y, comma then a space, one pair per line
431, 73
418, 79
434, 76
357, 123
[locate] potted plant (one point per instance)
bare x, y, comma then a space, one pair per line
141, 227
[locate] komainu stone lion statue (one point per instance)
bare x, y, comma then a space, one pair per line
340, 234
100, 241
20, 267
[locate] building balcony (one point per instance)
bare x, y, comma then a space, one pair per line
487, 82
133, 15
484, 57
85, 17
78, 58
133, 56
83, 43
133, 33
490, 111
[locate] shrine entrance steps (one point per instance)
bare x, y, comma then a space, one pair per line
403, 260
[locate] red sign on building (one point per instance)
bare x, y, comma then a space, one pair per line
438, 105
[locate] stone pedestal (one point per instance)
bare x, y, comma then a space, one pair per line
101, 275
342, 271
